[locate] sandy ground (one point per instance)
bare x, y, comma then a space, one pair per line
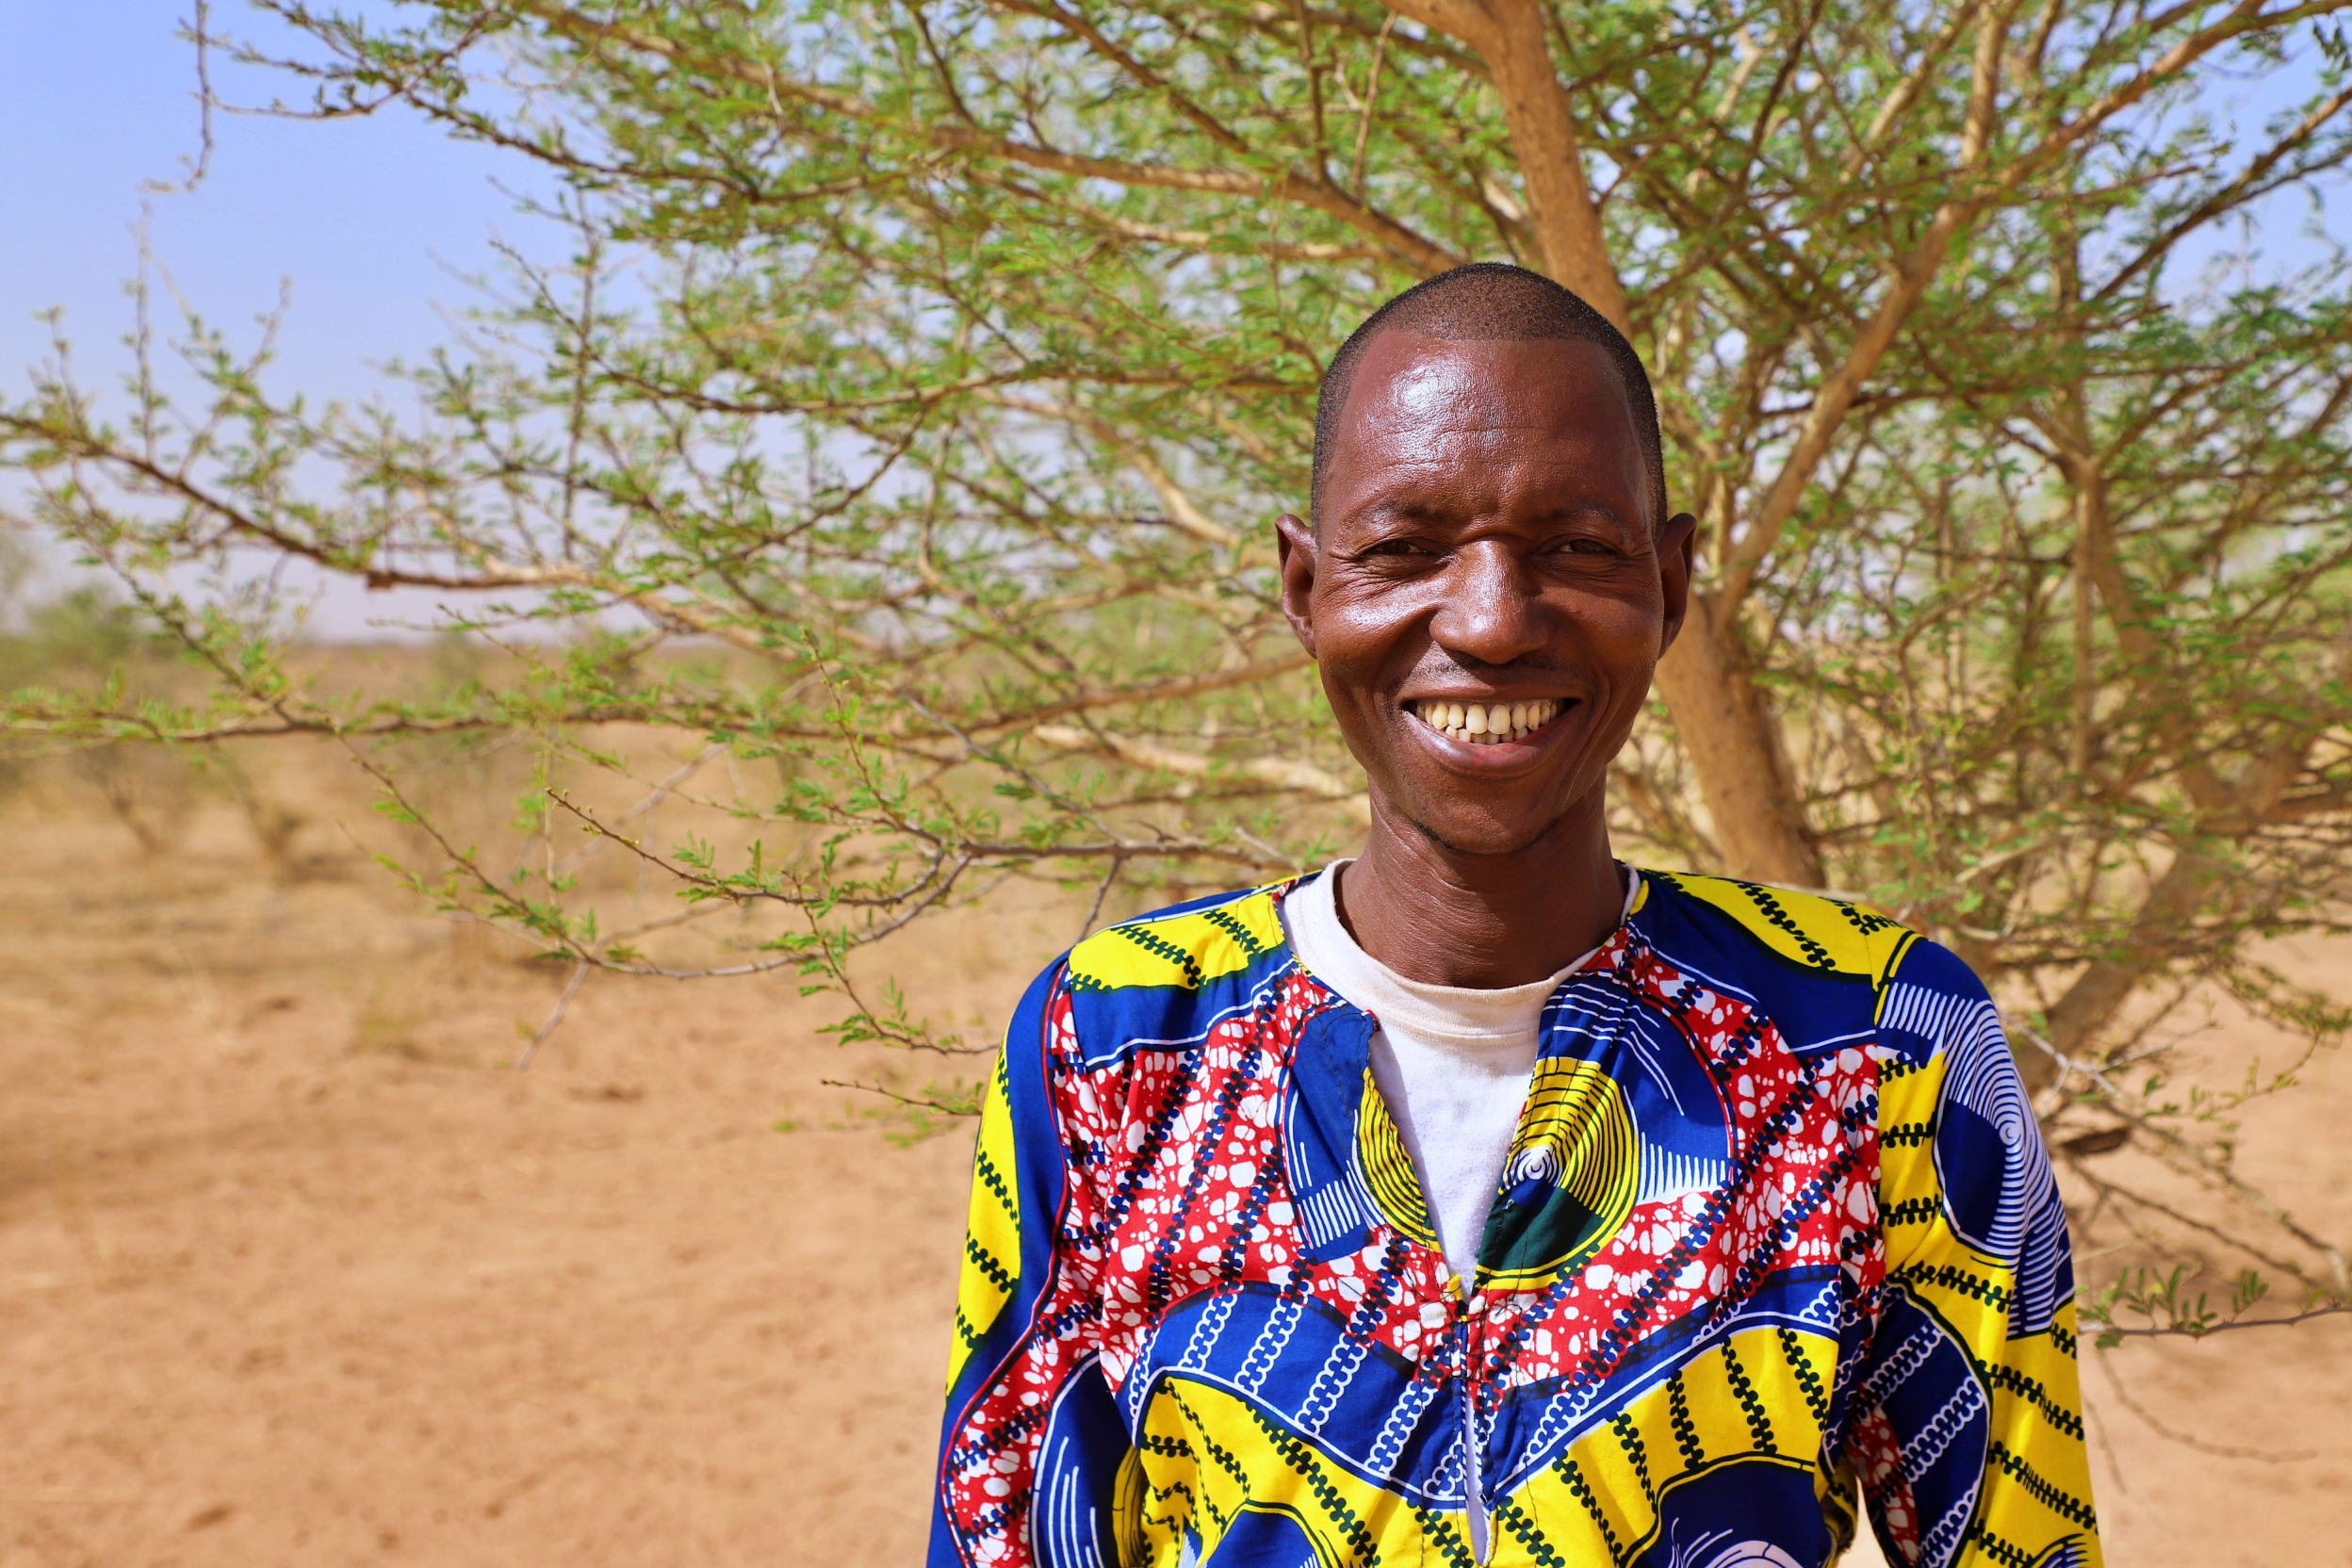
295, 1270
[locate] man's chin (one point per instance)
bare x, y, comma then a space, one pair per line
1482, 836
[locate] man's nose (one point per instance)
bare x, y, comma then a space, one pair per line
1493, 609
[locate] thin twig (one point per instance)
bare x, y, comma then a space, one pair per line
2220, 1450
661, 792
1371, 94
580, 972
914, 1102
2107, 1189
201, 32
2329, 1310
1085, 927
2246, 1193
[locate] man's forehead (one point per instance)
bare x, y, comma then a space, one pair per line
1405, 377
1414, 396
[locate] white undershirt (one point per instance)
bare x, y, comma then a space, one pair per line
1451, 1062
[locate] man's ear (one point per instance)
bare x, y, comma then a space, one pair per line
1295, 547
1677, 552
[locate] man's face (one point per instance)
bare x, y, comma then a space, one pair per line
1486, 543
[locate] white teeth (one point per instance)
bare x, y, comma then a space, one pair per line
1483, 724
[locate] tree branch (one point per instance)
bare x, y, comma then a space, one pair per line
1511, 36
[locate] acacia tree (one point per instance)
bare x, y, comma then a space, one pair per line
948, 361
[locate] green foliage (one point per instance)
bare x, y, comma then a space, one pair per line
2163, 1305
944, 363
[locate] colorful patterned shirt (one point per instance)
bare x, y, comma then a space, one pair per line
1776, 1222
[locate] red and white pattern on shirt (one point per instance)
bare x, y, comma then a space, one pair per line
1878, 1462
1182, 1231
1793, 1123
1792, 1120
1144, 1226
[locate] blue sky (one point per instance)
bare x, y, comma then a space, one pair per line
367, 220
365, 217
97, 100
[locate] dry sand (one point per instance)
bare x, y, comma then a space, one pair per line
293, 1269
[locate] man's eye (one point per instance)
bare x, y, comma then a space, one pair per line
1395, 546
1588, 547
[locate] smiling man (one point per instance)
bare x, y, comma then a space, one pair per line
1482, 1198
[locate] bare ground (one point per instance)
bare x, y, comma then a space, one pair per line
295, 1267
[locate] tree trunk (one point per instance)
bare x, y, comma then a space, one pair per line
1729, 733
2107, 983
1734, 744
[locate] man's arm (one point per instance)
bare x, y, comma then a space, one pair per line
1967, 1427
1028, 1417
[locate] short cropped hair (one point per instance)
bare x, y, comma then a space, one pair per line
1489, 302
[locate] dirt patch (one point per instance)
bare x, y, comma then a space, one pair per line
294, 1267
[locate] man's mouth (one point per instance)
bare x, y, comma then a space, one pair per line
1484, 723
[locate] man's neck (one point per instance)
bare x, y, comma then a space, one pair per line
1482, 921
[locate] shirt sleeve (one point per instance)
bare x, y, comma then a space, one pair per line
1967, 1416
1032, 1449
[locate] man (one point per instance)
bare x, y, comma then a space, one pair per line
1482, 1199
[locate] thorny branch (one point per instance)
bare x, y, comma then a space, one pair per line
972, 349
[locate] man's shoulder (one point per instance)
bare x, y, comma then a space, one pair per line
1784, 928
1160, 979
1193, 946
